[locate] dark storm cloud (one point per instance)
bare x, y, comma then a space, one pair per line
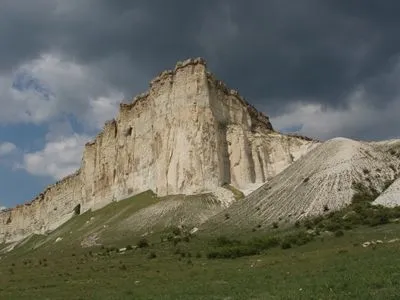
274, 52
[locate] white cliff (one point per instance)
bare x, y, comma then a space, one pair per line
319, 182
391, 196
188, 134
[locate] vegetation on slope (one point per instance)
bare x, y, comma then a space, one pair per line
236, 193
317, 258
329, 268
360, 212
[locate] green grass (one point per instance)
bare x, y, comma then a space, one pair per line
325, 268
283, 263
103, 222
236, 193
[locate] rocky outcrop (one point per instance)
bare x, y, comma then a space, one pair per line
319, 182
391, 196
188, 134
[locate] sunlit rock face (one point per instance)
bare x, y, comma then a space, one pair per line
188, 134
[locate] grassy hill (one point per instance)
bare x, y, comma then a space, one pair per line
306, 261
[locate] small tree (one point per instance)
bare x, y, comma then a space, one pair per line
143, 243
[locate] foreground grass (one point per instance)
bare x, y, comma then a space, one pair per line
325, 268
319, 258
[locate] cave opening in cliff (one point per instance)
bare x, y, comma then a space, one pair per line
77, 209
128, 131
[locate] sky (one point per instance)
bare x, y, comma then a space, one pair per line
319, 68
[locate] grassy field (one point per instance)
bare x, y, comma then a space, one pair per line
317, 259
326, 268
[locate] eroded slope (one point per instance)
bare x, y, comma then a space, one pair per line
319, 182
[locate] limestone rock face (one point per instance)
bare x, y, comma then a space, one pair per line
320, 181
188, 134
390, 197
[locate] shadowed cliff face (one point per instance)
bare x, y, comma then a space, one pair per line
188, 134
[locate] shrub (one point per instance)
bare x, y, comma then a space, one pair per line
227, 216
129, 247
224, 241
275, 225
265, 243
143, 243
299, 238
176, 231
308, 224
232, 252
339, 233
333, 225
286, 245
178, 251
152, 255
176, 240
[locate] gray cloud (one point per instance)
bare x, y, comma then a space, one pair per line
277, 53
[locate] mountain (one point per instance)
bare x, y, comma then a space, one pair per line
188, 135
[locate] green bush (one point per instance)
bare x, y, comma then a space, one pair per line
308, 223
143, 243
232, 252
359, 212
286, 245
265, 243
339, 233
176, 230
224, 241
299, 238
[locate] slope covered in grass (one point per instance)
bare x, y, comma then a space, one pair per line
326, 267
125, 222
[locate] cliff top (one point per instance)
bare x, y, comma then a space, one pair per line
259, 118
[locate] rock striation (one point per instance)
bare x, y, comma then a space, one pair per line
188, 134
391, 196
320, 182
